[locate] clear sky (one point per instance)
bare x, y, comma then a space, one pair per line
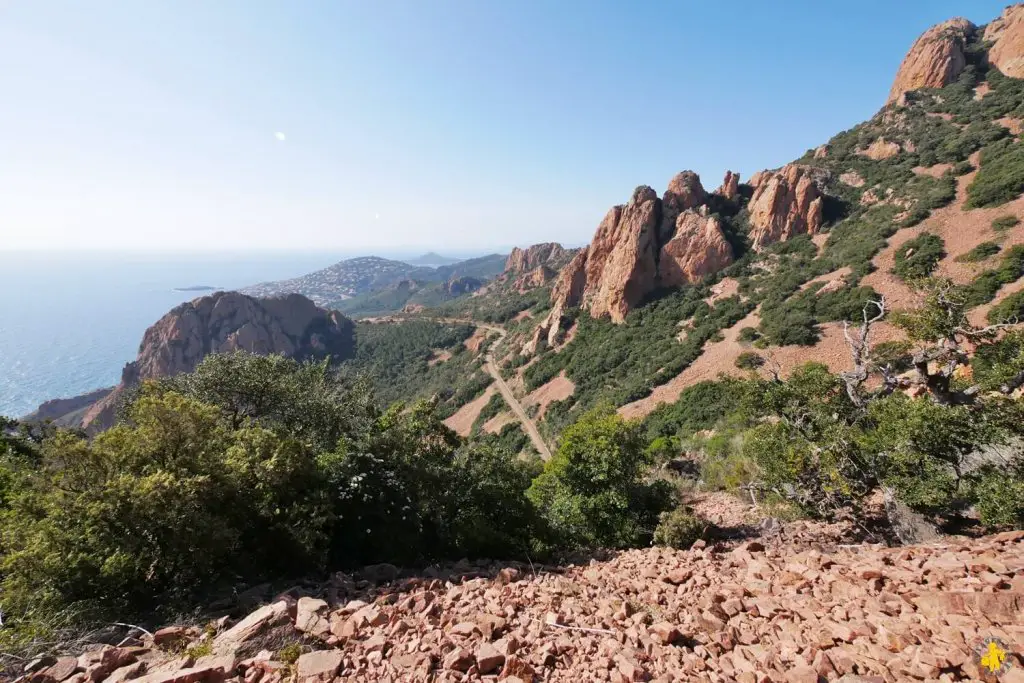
472, 123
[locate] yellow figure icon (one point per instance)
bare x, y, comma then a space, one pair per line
994, 657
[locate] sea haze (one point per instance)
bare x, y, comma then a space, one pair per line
70, 321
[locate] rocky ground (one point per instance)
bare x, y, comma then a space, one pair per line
795, 605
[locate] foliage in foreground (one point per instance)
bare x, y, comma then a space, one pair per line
215, 478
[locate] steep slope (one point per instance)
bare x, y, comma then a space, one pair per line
227, 321
805, 245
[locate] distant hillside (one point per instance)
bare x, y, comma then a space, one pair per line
432, 260
369, 275
409, 294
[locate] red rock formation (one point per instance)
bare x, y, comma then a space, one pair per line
786, 203
730, 188
622, 266
698, 249
935, 60
758, 178
566, 293
1007, 35
228, 321
538, 277
684, 192
544, 254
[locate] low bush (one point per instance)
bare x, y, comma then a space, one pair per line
679, 528
593, 492
979, 253
748, 360
1000, 177
1004, 223
916, 258
1009, 310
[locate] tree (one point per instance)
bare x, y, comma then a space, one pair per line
593, 492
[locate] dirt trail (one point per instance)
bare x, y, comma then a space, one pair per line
491, 368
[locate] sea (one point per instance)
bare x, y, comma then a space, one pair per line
70, 321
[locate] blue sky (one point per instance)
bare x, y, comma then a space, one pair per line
441, 123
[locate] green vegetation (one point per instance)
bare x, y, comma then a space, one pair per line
622, 363
748, 335
916, 258
795, 320
395, 358
218, 477
593, 490
748, 360
1004, 223
1009, 310
1000, 178
979, 253
679, 528
985, 286
494, 405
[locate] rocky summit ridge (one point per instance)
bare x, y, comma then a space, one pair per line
221, 322
679, 238
794, 606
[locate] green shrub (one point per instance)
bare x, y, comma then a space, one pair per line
187, 496
748, 335
916, 258
979, 253
985, 286
1004, 223
1009, 310
1000, 178
748, 360
727, 471
679, 528
995, 363
593, 491
962, 168
999, 493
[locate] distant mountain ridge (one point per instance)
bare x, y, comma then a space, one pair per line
366, 275
432, 260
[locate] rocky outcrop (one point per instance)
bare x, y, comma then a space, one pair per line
462, 285
525, 260
800, 603
880, 149
936, 59
684, 192
59, 408
622, 266
786, 203
228, 321
644, 244
730, 188
538, 277
565, 293
1007, 37
698, 249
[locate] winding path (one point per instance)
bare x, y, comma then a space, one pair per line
491, 368
510, 399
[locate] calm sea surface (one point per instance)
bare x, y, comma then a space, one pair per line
69, 322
